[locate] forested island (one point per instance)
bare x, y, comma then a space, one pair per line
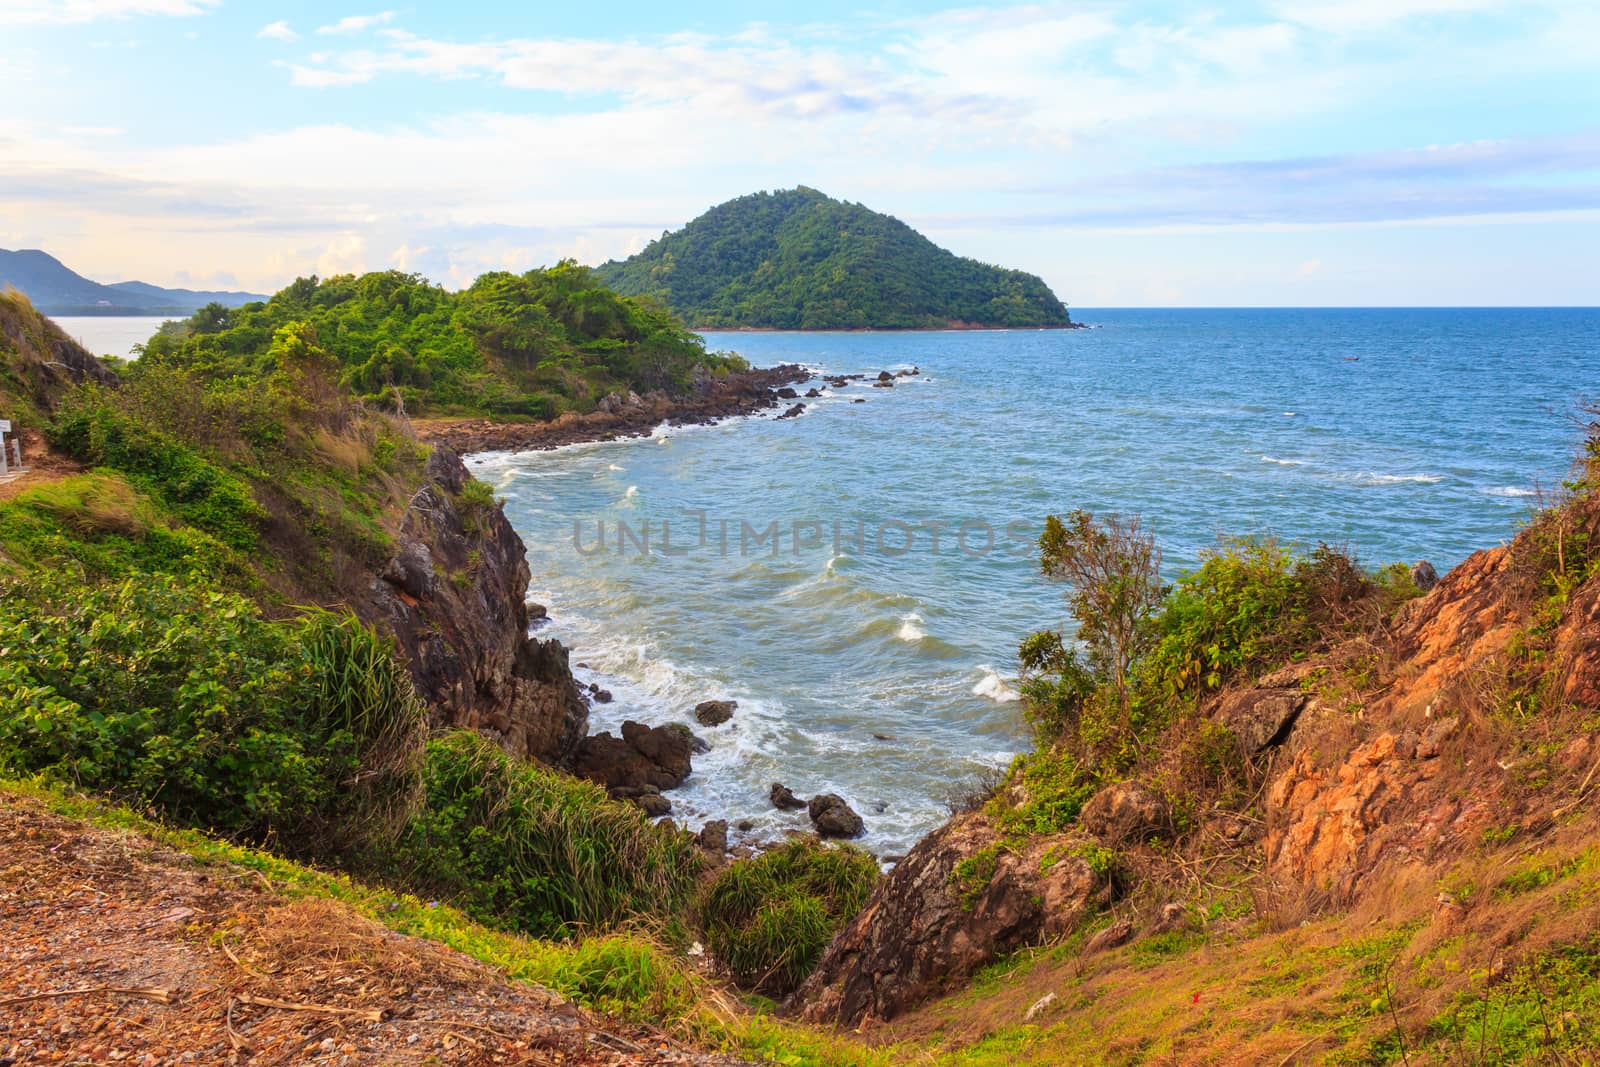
799, 260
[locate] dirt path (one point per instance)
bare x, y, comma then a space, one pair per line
44, 465
116, 950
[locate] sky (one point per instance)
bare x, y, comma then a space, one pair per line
1281, 152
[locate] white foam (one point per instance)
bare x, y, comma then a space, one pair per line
1372, 478
614, 467
910, 628
1283, 462
1509, 490
994, 687
633, 491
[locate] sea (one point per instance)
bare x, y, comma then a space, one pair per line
858, 578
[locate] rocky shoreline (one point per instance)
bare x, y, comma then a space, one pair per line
622, 416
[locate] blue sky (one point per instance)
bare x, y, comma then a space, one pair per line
1284, 152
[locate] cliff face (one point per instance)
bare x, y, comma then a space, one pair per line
453, 596
1466, 725
38, 362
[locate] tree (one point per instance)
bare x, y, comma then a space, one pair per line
1114, 570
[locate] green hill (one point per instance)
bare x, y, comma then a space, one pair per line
799, 260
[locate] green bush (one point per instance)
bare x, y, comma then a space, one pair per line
769, 918
520, 845
165, 691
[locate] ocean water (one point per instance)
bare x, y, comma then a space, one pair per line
858, 578
111, 335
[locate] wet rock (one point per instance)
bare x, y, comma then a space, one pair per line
787, 393
714, 712
833, 817
884, 384
744, 826
647, 797
884, 376
783, 799
813, 393
925, 929
643, 755
538, 615
713, 837
1260, 718
698, 745
859, 400
794, 412
1423, 576
1125, 813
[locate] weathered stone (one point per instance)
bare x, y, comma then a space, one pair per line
643, 755
783, 799
1423, 576
1118, 933
713, 837
833, 817
1260, 718
1125, 812
925, 929
714, 712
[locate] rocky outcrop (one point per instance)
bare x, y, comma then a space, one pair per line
783, 798
1260, 718
453, 595
657, 756
932, 922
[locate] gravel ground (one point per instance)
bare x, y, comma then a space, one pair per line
116, 950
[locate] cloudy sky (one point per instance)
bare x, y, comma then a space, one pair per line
1281, 152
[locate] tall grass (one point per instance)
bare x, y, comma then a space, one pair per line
769, 918
522, 846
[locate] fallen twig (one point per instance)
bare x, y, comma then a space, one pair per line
371, 1015
165, 996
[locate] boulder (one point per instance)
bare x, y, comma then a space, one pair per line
647, 797
714, 712
644, 755
884, 376
713, 837
833, 817
783, 799
1125, 813
1260, 718
786, 393
926, 928
1423, 576
813, 393
1118, 933
794, 412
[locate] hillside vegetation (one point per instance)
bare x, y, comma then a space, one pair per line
511, 345
799, 260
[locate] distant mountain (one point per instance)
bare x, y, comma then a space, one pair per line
799, 260
55, 289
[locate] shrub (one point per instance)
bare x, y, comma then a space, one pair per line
769, 918
168, 692
520, 845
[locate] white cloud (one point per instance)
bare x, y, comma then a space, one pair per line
278, 31
357, 23
1352, 16
68, 12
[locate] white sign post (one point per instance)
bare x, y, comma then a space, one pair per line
5, 428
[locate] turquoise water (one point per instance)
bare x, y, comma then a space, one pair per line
885, 674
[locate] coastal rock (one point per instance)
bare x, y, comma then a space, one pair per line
794, 412
1118, 933
713, 837
833, 817
884, 376
926, 927
1423, 576
787, 393
887, 384
1125, 813
714, 712
783, 799
812, 394
657, 756
466, 643
1260, 718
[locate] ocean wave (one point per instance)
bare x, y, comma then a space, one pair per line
633, 491
1374, 478
615, 467
1509, 490
1283, 462
911, 627
994, 687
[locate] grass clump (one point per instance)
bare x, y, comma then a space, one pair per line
522, 846
769, 918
